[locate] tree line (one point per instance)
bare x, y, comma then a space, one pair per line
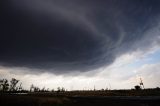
10, 86
15, 85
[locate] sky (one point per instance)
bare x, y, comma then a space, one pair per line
79, 44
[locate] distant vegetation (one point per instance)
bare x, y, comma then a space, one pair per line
12, 93
15, 86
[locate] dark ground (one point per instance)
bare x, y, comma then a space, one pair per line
46, 100
116, 101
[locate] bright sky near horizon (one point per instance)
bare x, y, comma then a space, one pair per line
124, 73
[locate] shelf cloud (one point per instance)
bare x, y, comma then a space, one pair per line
63, 36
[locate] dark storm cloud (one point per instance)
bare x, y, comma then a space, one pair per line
66, 35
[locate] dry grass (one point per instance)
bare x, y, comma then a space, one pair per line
82, 98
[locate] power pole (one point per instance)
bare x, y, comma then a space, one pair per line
141, 83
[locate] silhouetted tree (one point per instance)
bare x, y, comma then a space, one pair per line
102, 89
47, 90
62, 89
157, 88
34, 88
58, 89
19, 88
4, 85
13, 84
52, 90
137, 87
43, 89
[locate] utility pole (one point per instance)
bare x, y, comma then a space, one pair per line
141, 83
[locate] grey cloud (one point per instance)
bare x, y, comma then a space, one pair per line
60, 36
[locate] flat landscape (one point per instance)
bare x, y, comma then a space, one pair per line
80, 53
83, 98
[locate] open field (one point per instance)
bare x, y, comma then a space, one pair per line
83, 98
